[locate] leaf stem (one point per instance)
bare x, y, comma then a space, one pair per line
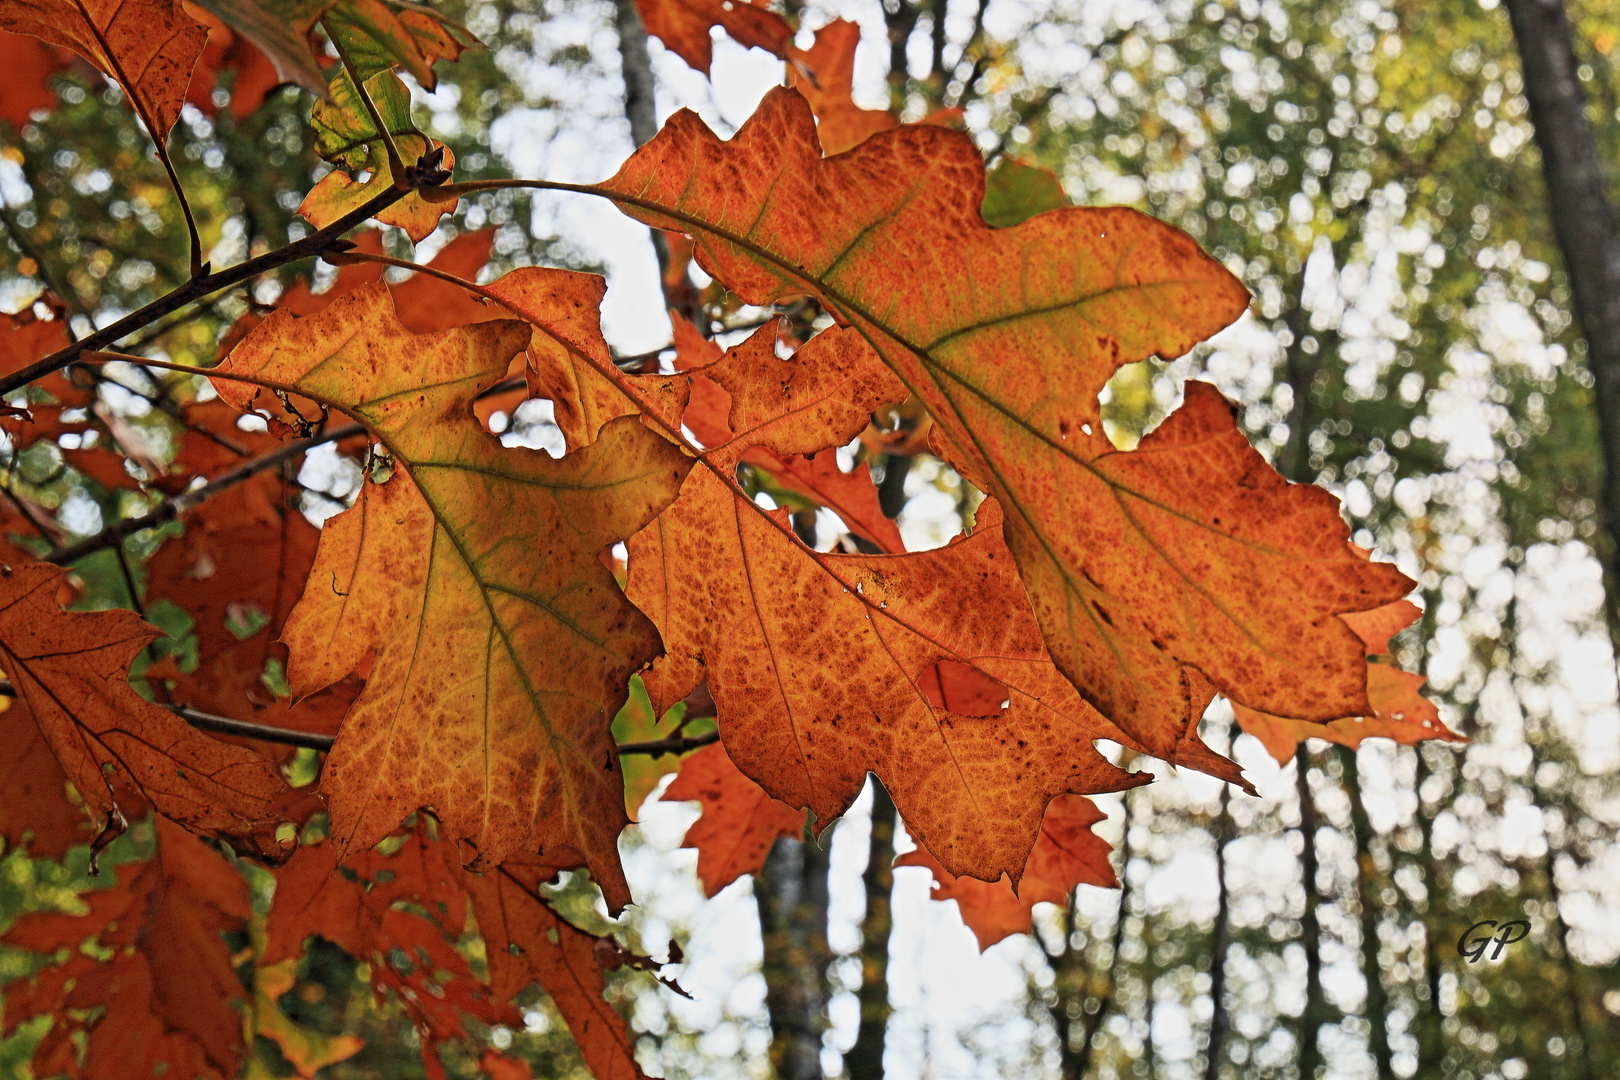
395, 165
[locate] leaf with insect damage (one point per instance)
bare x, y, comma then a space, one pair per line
1159, 575
346, 136
502, 643
162, 1003
825, 667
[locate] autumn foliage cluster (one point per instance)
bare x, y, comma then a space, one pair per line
465, 633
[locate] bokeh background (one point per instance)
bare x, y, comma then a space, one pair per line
1369, 170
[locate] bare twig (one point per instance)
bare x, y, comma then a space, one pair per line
224, 725
326, 241
173, 508
675, 744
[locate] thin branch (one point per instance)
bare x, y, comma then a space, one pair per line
675, 744
172, 508
326, 241
224, 725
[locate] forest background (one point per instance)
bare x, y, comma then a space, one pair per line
1371, 174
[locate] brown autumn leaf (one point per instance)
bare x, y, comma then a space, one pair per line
1067, 854
1184, 561
1399, 711
502, 644
34, 790
825, 75
565, 308
162, 1004
71, 669
814, 660
148, 46
379, 907
683, 27
237, 571
851, 495
526, 941
740, 821
228, 50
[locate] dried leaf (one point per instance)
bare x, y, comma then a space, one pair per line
825, 75
25, 78
740, 821
168, 988
148, 46
528, 942
502, 644
683, 27
1150, 571
1067, 854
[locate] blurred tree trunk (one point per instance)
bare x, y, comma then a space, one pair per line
640, 94
1367, 898
1584, 222
865, 1059
1220, 1018
1075, 1058
792, 895
1315, 1011
1430, 1036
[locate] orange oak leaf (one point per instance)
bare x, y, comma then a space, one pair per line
1067, 854
502, 644
148, 46
71, 671
1399, 711
740, 821
565, 309
851, 495
237, 572
379, 907
683, 27
227, 50
1187, 559
526, 941
163, 1002
1377, 626
25, 338
815, 661
825, 75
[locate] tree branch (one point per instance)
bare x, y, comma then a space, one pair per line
326, 241
674, 744
173, 508
224, 725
